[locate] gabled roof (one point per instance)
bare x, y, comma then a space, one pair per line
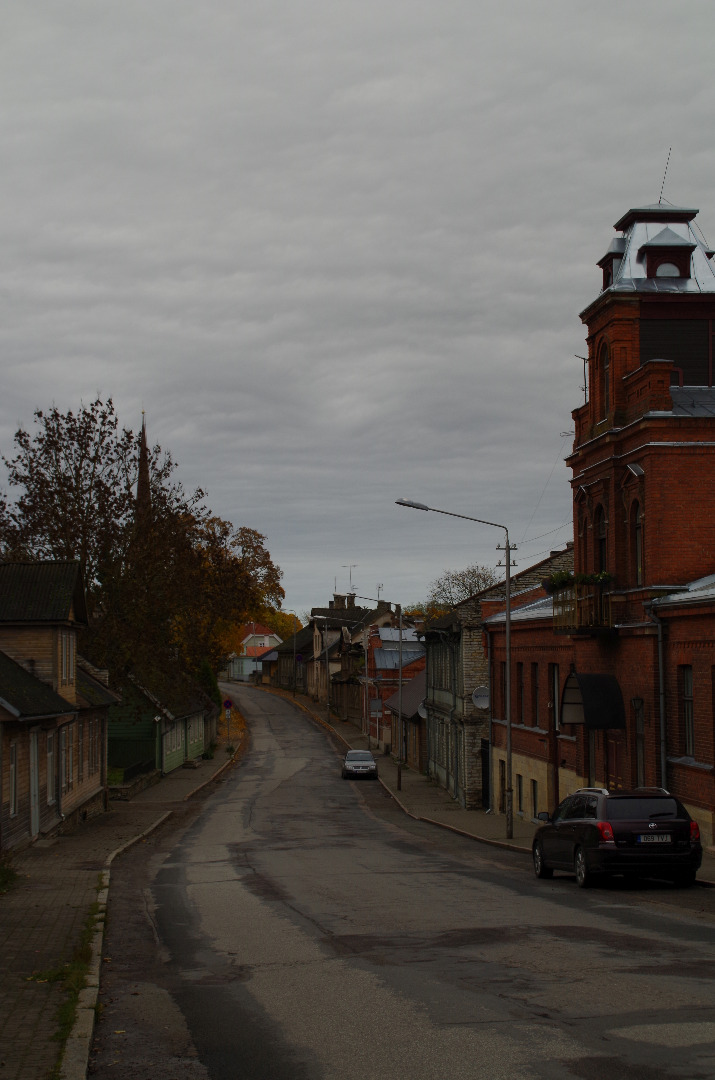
91, 692
251, 629
43, 592
303, 644
413, 694
27, 697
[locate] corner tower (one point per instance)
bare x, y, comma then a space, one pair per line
643, 459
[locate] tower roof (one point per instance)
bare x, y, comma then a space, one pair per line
647, 230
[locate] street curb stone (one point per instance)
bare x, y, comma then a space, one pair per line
75, 1058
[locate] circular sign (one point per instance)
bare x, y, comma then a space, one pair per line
480, 697
227, 703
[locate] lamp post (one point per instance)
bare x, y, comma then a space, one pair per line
400, 756
295, 632
325, 620
507, 693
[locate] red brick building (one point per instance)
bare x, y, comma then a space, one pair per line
613, 672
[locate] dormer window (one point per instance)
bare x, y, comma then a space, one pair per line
668, 255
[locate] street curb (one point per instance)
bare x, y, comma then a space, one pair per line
75, 1057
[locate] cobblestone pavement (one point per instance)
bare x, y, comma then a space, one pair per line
62, 879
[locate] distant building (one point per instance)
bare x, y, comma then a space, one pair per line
257, 641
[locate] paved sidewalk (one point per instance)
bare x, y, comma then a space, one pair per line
44, 914
423, 799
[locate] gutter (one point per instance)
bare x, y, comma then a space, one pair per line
661, 696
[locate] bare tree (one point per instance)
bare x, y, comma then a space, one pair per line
453, 586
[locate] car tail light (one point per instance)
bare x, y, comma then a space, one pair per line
694, 831
605, 830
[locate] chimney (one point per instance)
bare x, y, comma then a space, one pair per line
339, 602
351, 600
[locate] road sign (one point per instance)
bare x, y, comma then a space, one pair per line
227, 703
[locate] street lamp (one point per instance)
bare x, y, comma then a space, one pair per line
325, 619
398, 612
295, 634
507, 703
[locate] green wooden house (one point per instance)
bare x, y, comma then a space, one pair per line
157, 728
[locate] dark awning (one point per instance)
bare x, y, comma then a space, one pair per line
593, 700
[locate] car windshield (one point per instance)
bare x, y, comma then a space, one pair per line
641, 809
359, 755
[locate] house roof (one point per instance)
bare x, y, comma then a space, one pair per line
92, 693
389, 659
41, 592
413, 694
392, 633
693, 400
27, 697
543, 608
303, 643
172, 692
701, 591
251, 629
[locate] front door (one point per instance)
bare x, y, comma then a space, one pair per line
34, 786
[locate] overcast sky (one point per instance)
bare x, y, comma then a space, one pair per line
338, 251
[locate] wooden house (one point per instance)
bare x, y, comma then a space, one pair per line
53, 709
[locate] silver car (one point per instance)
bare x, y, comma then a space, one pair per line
359, 764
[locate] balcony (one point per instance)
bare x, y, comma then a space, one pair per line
582, 609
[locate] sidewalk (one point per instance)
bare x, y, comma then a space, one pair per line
422, 798
43, 917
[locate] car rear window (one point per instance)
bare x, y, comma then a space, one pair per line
640, 809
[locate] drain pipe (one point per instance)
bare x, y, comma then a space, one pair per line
661, 695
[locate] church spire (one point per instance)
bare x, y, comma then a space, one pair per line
143, 499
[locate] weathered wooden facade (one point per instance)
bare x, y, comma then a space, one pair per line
53, 708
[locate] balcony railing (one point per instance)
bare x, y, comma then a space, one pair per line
582, 608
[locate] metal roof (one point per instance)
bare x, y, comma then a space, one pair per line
392, 633
539, 609
700, 591
693, 400
660, 225
389, 659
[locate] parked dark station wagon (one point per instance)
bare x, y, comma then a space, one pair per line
645, 832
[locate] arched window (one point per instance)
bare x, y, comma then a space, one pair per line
599, 540
604, 370
637, 542
584, 547
667, 269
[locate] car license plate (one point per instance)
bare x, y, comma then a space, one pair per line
654, 838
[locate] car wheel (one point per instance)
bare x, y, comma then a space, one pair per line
540, 868
583, 874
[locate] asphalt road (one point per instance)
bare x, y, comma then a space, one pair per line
300, 927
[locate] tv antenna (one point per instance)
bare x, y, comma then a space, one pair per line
664, 176
350, 567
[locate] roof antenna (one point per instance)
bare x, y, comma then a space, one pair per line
664, 176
